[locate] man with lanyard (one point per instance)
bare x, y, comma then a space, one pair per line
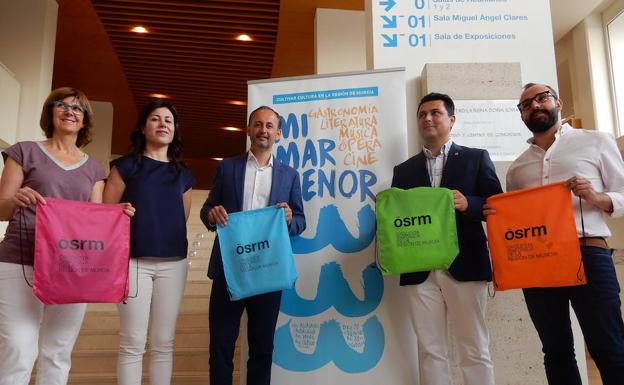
591, 165
246, 182
459, 294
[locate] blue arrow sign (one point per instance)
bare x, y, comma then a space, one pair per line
391, 40
389, 22
388, 4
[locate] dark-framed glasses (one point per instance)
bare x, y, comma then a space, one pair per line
75, 108
540, 98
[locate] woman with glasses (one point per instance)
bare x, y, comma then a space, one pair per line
155, 180
55, 167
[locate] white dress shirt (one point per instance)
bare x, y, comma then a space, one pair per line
258, 182
590, 154
435, 164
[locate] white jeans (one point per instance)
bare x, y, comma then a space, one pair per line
431, 302
161, 285
29, 329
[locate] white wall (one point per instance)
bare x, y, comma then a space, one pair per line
582, 52
27, 41
100, 146
340, 41
10, 90
566, 14
613, 19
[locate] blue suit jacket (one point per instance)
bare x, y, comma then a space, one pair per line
471, 171
227, 191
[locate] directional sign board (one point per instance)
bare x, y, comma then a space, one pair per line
411, 33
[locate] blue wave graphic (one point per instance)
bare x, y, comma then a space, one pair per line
331, 230
331, 346
333, 290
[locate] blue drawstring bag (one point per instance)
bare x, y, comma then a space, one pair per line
256, 252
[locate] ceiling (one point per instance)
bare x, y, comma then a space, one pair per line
190, 54
565, 14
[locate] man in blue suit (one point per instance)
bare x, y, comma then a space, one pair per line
253, 180
459, 294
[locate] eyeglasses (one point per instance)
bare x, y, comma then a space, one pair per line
540, 98
75, 108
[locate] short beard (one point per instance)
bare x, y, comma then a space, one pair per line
261, 145
537, 125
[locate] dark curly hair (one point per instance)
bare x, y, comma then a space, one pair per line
137, 137
46, 121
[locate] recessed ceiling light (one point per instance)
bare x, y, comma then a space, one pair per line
244, 37
139, 29
237, 102
159, 96
216, 158
230, 128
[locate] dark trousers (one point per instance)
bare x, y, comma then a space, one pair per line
597, 307
224, 323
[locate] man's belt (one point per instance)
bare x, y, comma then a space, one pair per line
594, 242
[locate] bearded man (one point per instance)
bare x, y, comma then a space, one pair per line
590, 163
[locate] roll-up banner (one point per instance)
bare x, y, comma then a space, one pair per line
343, 322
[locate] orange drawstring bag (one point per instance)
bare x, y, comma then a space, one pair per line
533, 240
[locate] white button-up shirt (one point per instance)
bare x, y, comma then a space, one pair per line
258, 182
592, 155
435, 164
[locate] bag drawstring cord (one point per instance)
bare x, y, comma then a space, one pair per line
492, 291
578, 272
136, 294
22, 226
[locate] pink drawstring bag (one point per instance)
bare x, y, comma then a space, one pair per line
81, 252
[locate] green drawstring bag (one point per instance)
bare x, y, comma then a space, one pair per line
416, 230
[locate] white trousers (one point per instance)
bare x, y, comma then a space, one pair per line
30, 329
432, 303
161, 285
